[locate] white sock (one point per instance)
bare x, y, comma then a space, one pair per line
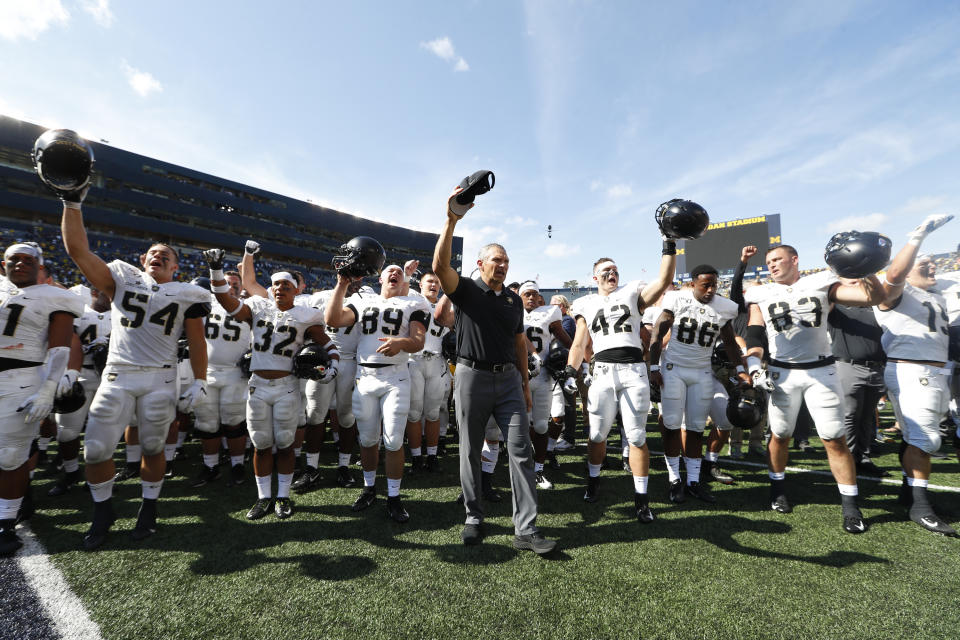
594, 469
283, 484
43, 443
431, 451
393, 487
851, 489
640, 484
151, 490
102, 491
343, 459
369, 478
168, 451
489, 455
414, 452
264, 486
211, 459
777, 475
693, 469
913, 482
235, 460
71, 465
673, 467
313, 460
133, 453
9, 508
712, 456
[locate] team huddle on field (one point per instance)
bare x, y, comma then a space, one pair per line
135, 351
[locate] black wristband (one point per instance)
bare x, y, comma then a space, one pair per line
669, 247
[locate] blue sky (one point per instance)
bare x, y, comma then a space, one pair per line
836, 115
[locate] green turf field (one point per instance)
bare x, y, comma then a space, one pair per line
730, 570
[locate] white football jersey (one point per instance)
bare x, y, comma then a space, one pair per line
379, 317
612, 320
948, 285
650, 315
90, 327
227, 337
278, 335
147, 317
433, 340
796, 316
346, 338
916, 329
537, 325
696, 327
25, 319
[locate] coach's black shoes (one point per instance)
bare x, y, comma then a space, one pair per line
283, 507
780, 504
9, 540
472, 534
592, 494
259, 509
103, 519
534, 542
676, 492
396, 511
367, 497
146, 520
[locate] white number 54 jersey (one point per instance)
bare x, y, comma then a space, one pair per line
147, 317
796, 316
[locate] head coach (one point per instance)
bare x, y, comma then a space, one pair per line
488, 381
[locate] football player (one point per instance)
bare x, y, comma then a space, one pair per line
916, 340
792, 312
391, 327
429, 379
608, 318
93, 329
148, 313
37, 322
540, 322
274, 407
695, 318
222, 412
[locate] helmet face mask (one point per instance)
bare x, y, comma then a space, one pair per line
72, 401
310, 362
362, 257
682, 219
857, 254
746, 407
63, 160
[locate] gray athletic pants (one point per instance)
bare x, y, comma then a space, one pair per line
862, 388
480, 394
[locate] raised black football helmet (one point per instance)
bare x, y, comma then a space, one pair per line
311, 361
476, 184
679, 218
857, 254
746, 407
71, 401
360, 258
64, 161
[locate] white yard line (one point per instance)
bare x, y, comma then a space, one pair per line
70, 619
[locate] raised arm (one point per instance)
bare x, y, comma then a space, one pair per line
902, 263
221, 290
736, 285
449, 278
867, 292
668, 263
335, 314
248, 270
444, 315
78, 248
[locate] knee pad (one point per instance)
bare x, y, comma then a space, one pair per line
13, 457
261, 438
284, 438
95, 451
638, 440
153, 443
68, 433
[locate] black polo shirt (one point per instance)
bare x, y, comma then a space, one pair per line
487, 322
855, 334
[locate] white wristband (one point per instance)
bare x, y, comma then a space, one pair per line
753, 364
654, 367
217, 274
740, 369
220, 288
71, 205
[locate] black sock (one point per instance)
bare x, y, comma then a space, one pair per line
777, 488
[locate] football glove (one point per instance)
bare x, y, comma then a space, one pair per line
73, 199
761, 380
329, 373
930, 224
66, 382
570, 382
534, 364
252, 248
39, 405
194, 394
214, 258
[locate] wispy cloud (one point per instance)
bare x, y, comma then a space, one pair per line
868, 222
619, 191
520, 221
443, 49
561, 250
100, 10
142, 82
27, 20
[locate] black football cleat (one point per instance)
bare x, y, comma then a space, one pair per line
592, 494
714, 472
431, 464
259, 509
644, 514
416, 466
25, 512
396, 511
345, 478
236, 474
63, 485
130, 470
146, 520
308, 480
205, 476
933, 523
676, 492
283, 507
170, 472
103, 519
780, 504
9, 540
700, 492
367, 497
552, 462
853, 523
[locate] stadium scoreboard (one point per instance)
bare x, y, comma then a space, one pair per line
720, 245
